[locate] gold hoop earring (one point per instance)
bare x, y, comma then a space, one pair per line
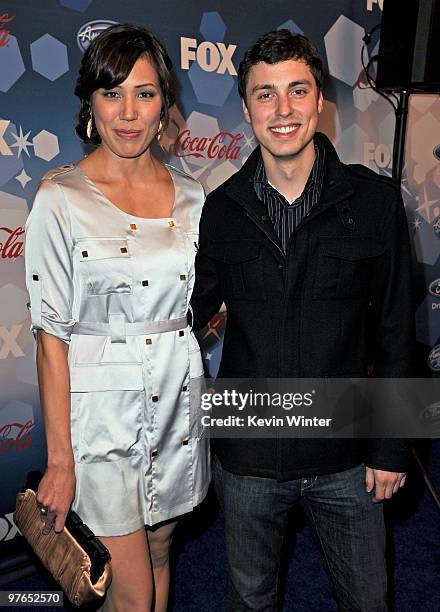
89, 127
159, 130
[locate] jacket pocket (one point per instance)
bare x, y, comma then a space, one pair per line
88, 350
105, 265
107, 426
106, 377
241, 264
345, 267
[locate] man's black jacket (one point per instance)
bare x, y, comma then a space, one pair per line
339, 299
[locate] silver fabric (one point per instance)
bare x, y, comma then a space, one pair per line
139, 457
130, 329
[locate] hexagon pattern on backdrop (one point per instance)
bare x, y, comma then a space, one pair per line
46, 145
25, 370
76, 5
352, 143
16, 411
329, 122
427, 244
344, 34
12, 65
363, 97
425, 136
219, 174
210, 87
13, 307
291, 26
13, 203
385, 128
422, 102
49, 57
10, 164
213, 27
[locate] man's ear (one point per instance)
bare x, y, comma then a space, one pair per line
247, 117
320, 102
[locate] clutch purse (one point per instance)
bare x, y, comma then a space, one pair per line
75, 557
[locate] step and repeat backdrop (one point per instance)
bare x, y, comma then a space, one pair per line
41, 45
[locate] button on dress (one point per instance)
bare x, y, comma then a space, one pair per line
117, 287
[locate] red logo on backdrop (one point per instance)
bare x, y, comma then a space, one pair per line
12, 247
4, 33
223, 145
215, 326
15, 437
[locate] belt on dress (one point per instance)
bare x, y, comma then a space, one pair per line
118, 328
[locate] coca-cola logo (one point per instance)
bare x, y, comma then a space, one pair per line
12, 247
4, 33
224, 145
15, 437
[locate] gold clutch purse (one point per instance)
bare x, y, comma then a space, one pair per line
76, 558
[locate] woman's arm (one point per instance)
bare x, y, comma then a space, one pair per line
49, 279
57, 488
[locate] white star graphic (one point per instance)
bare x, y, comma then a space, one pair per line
425, 208
249, 141
22, 143
417, 223
23, 178
385, 172
404, 185
208, 356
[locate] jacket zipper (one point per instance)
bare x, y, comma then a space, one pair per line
256, 220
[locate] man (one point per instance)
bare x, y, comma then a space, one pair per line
312, 260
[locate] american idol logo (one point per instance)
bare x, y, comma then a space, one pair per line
434, 358
434, 288
91, 30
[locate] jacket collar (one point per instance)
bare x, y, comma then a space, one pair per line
335, 188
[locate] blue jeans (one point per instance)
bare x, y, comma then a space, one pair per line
348, 525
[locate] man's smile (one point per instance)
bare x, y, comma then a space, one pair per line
285, 129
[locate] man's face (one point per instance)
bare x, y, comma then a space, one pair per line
282, 105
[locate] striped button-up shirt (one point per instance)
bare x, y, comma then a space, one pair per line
286, 216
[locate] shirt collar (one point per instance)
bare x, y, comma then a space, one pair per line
316, 175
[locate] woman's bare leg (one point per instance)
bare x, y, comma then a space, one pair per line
159, 541
132, 587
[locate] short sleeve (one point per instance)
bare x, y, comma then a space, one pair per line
49, 267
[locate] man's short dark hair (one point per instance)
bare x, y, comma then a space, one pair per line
279, 46
109, 60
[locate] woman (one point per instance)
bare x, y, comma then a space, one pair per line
110, 252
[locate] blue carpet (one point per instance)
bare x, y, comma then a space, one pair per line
199, 558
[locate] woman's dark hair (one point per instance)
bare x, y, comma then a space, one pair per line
279, 46
109, 60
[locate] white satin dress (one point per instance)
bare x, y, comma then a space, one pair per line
117, 287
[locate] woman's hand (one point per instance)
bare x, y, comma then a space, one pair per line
55, 494
57, 487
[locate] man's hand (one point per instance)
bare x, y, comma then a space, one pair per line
384, 483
